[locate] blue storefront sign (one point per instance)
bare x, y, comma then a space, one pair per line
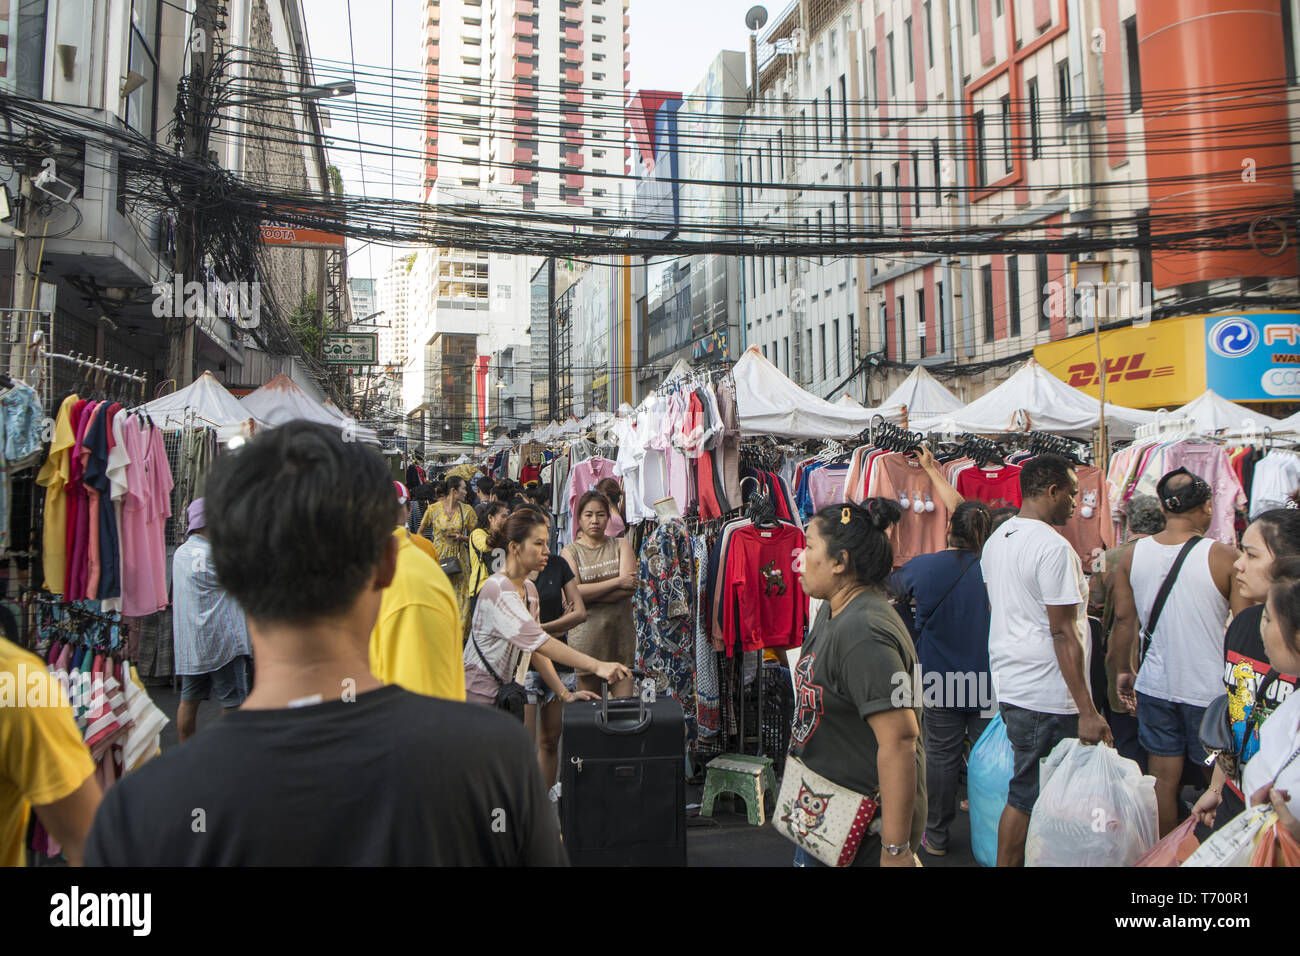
1253, 356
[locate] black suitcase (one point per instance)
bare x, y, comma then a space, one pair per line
623, 782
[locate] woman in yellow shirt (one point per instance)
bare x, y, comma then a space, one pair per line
452, 520
493, 517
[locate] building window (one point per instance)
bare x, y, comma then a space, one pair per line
140, 105
764, 350
807, 369
907, 49
830, 118
916, 182
780, 150
986, 278
980, 178
871, 76
974, 17
1040, 294
848, 216
844, 110
901, 317
785, 345
821, 331
838, 370
880, 202
884, 327
1013, 294
921, 330
817, 133
1134, 70
1006, 132
1035, 141
929, 36
898, 196
1063, 93
893, 90
821, 237
938, 172
853, 339
941, 317
1288, 43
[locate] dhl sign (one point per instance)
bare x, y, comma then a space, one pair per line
1123, 368
1159, 365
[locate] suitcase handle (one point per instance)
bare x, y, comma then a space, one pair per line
602, 720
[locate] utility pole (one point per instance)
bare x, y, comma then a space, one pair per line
178, 331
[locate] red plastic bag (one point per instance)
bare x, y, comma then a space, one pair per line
1276, 847
1178, 844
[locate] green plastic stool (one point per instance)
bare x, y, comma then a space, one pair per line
750, 778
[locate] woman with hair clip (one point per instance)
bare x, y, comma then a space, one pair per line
506, 619
951, 628
451, 520
857, 722
1256, 684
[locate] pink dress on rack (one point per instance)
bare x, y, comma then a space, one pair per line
160, 474
138, 596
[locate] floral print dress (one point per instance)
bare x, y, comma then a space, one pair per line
461, 521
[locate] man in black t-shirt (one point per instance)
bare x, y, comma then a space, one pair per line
324, 765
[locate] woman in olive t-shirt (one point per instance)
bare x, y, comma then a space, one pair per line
857, 721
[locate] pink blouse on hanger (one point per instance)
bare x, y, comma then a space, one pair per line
138, 588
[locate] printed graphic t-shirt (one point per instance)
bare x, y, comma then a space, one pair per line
858, 663
1245, 670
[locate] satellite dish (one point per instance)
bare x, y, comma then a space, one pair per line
756, 17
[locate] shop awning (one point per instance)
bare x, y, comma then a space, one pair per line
283, 400
1034, 399
1214, 414
205, 402
769, 403
923, 397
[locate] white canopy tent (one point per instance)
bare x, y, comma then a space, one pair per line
1035, 399
923, 397
1214, 414
282, 400
846, 401
205, 402
769, 403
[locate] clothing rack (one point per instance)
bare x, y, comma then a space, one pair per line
1167, 429
87, 362
891, 437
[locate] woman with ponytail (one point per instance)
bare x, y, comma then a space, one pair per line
505, 623
857, 718
950, 613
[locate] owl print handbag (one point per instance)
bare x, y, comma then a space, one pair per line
825, 819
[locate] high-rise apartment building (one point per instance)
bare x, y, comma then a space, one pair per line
527, 93
523, 110
393, 299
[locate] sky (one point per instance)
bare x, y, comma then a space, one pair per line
672, 44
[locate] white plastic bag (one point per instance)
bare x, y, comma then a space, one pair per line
1234, 843
1095, 808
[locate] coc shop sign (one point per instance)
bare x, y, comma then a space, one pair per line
1253, 356
358, 348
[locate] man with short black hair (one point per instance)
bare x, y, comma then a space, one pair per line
324, 765
1038, 638
1170, 674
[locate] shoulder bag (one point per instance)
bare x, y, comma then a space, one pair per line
452, 566
820, 816
511, 697
1148, 632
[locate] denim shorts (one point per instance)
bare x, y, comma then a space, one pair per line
537, 688
1032, 735
1169, 729
229, 683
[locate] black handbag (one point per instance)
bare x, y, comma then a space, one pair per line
511, 696
452, 566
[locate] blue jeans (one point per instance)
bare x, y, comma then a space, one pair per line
1032, 736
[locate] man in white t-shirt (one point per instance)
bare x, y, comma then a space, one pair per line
1038, 638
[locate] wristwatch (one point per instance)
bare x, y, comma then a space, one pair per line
897, 849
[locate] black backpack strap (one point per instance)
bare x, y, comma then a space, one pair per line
1148, 632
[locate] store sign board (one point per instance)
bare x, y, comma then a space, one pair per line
1160, 365
354, 348
1253, 356
277, 232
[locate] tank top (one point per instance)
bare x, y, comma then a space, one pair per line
1185, 661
